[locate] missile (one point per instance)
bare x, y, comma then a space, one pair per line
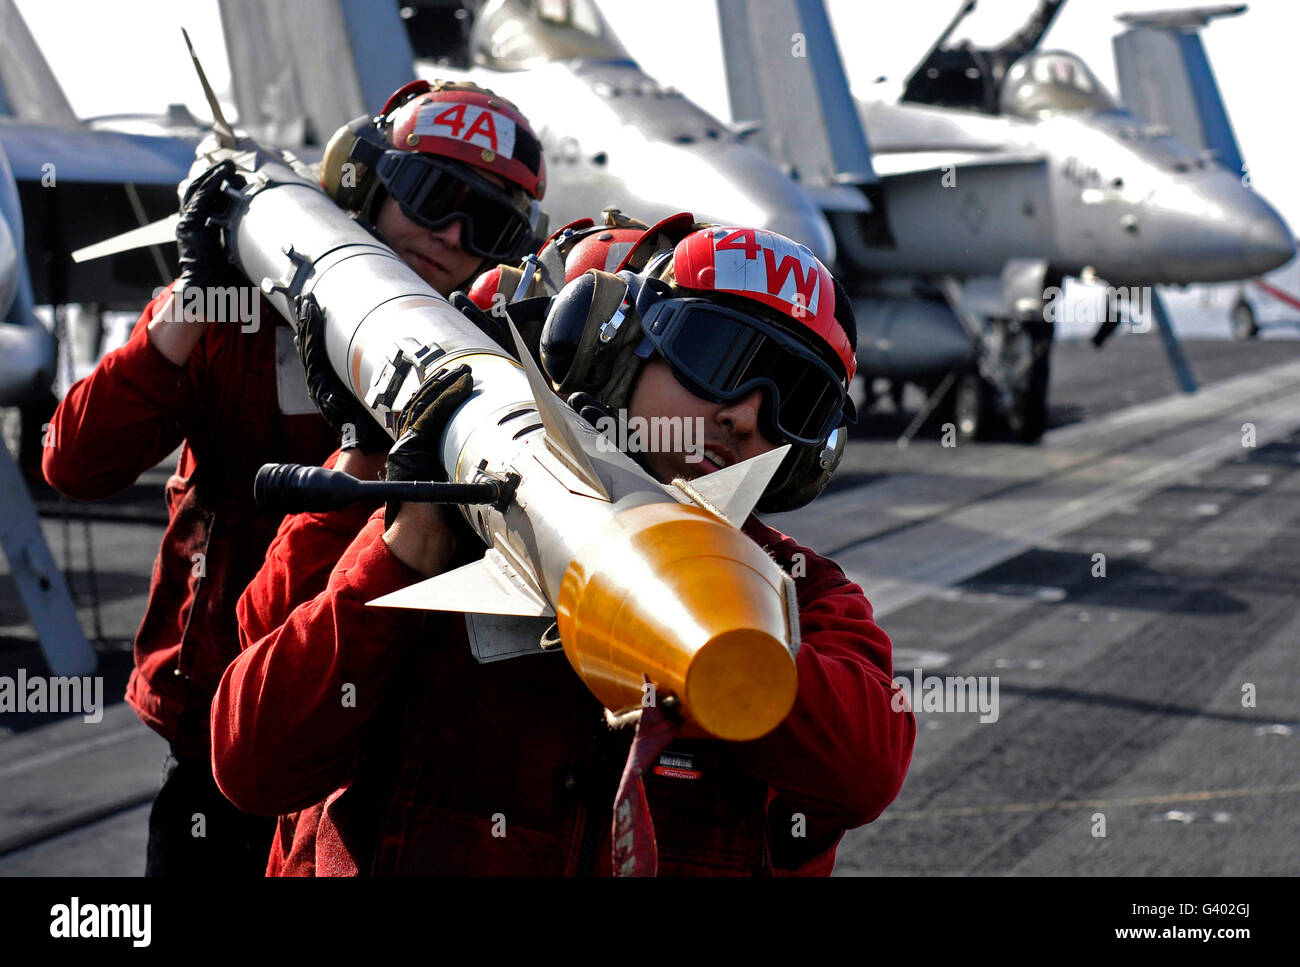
646, 581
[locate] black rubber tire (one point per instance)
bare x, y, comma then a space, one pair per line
1029, 420
1244, 324
974, 409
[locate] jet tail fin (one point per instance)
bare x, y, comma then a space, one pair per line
1165, 79
784, 71
300, 69
28, 87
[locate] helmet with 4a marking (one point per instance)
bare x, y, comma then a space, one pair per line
445, 151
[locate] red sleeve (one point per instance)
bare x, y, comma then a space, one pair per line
289, 713
122, 419
297, 567
841, 754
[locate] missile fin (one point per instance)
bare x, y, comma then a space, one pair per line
225, 136
555, 416
484, 587
733, 491
161, 232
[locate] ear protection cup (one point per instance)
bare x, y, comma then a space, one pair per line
566, 328
348, 180
591, 335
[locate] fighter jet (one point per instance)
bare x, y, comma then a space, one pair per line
613, 136
1016, 164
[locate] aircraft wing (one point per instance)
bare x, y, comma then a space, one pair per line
907, 139
78, 186
65, 153
901, 163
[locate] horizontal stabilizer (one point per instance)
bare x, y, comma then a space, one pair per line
487, 586
734, 491
162, 232
1186, 17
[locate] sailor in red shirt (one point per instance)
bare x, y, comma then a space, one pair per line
234, 396
429, 762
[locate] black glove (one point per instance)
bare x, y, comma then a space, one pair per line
528, 315
590, 409
415, 455
203, 259
494, 326
341, 409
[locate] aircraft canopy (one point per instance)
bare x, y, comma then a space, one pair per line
1039, 85
519, 34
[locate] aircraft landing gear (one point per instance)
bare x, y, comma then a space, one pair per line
974, 407
1004, 396
1244, 324
1027, 417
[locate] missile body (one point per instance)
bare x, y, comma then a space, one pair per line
646, 581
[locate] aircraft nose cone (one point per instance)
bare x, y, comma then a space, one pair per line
1269, 243
1217, 230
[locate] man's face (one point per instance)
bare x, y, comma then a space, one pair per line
731, 432
435, 254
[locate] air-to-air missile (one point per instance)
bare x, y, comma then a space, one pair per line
646, 582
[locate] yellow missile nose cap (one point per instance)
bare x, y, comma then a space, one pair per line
670, 592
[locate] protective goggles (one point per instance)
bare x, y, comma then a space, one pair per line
434, 193
722, 355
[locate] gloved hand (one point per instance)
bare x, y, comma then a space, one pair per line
528, 315
341, 409
494, 326
415, 454
590, 409
203, 258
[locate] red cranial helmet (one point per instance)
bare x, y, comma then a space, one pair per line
466, 123
445, 151
773, 271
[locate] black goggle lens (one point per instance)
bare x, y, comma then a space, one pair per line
433, 195
724, 355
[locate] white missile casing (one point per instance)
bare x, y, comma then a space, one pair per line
643, 585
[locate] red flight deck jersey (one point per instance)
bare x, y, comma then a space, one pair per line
409, 757
239, 401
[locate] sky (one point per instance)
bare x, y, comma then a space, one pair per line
127, 56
